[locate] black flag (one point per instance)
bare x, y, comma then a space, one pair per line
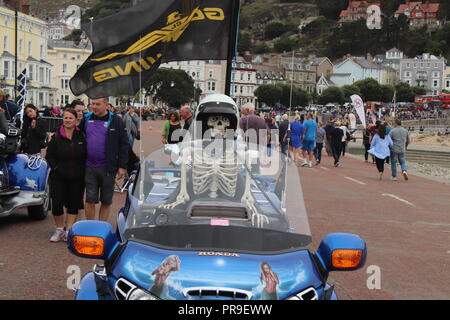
129, 46
22, 88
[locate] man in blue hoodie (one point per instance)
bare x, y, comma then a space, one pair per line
107, 156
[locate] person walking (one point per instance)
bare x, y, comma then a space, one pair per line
380, 148
309, 140
296, 137
170, 126
34, 131
66, 155
272, 131
401, 140
336, 143
366, 143
345, 138
283, 134
328, 130
132, 126
107, 156
320, 139
251, 124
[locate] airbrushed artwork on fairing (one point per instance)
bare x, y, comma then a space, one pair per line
195, 275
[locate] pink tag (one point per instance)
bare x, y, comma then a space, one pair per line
219, 222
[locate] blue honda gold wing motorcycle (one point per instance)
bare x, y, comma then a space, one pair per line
212, 222
23, 179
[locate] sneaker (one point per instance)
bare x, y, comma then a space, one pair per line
310, 165
394, 178
65, 237
405, 175
58, 235
381, 175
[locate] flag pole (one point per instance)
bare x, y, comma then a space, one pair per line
16, 13
232, 44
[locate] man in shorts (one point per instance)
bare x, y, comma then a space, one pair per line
107, 156
309, 140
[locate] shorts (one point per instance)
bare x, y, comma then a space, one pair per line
99, 181
309, 145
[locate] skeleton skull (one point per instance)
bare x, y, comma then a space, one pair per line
218, 124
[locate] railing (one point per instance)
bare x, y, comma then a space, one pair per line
52, 123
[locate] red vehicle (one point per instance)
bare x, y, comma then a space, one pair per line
431, 102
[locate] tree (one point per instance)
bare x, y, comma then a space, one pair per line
350, 90
269, 94
387, 93
370, 89
331, 9
103, 8
332, 94
274, 30
260, 48
74, 36
172, 86
284, 44
404, 92
299, 96
244, 43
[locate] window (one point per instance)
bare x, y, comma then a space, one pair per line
41, 75
31, 72
21, 46
408, 65
78, 56
6, 69
211, 86
64, 84
435, 83
5, 43
65, 99
242, 76
249, 76
436, 74
211, 74
447, 84
41, 51
65, 56
29, 48
64, 70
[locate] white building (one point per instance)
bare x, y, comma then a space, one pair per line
424, 71
243, 82
66, 59
208, 75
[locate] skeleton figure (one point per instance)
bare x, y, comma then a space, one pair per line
216, 170
218, 125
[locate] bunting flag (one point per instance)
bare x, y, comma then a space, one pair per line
22, 88
128, 47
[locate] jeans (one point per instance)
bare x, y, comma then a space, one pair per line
318, 152
401, 159
337, 150
284, 147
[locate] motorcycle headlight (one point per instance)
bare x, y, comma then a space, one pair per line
308, 294
139, 294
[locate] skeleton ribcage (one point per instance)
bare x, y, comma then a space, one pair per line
214, 174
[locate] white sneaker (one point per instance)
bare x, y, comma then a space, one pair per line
405, 175
65, 237
394, 178
58, 235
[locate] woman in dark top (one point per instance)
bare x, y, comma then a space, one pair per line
34, 131
66, 155
170, 126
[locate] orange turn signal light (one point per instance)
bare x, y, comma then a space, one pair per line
346, 258
89, 246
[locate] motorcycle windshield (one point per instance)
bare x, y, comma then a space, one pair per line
218, 195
